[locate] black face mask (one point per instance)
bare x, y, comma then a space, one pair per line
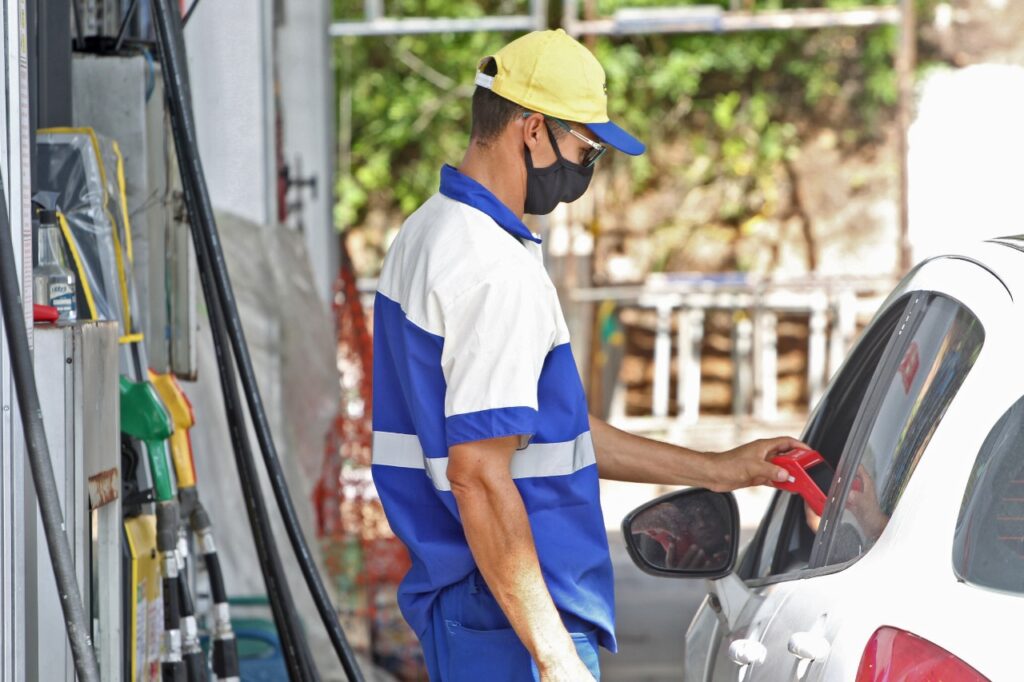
561, 182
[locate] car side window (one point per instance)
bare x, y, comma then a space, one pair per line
988, 545
787, 539
927, 359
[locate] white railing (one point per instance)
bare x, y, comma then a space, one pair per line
833, 307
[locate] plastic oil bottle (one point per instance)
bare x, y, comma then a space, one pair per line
53, 282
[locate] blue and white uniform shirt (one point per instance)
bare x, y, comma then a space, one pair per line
470, 343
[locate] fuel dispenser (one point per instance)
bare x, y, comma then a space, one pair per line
76, 375
125, 478
160, 637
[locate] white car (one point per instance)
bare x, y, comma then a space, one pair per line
915, 569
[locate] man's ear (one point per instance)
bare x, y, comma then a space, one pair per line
533, 130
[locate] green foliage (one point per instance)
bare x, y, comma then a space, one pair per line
738, 103
404, 105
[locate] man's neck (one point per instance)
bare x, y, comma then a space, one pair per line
496, 168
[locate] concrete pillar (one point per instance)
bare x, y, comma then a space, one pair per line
662, 358
816, 345
766, 363
691, 338
303, 53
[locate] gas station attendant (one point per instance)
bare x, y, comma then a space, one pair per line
484, 455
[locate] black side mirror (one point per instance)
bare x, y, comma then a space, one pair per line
690, 533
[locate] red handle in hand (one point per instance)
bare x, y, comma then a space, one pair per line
797, 462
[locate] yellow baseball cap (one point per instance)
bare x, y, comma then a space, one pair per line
551, 73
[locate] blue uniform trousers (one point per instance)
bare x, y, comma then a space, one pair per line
470, 639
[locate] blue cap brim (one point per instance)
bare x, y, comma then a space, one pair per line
616, 137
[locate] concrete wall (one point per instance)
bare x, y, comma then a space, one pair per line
229, 58
232, 47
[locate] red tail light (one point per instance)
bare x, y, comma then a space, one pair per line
894, 655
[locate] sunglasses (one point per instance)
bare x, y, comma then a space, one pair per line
596, 149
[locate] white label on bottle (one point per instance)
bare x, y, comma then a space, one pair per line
62, 297
60, 289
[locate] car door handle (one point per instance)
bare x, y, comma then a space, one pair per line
809, 645
747, 651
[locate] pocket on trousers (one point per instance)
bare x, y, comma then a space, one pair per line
491, 655
586, 647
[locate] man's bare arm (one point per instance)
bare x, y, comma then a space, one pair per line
623, 456
499, 536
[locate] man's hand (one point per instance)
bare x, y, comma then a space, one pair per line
862, 501
748, 464
566, 668
812, 519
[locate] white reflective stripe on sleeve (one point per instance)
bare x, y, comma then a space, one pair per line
536, 461
397, 450
554, 459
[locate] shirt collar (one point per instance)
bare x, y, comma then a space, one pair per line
466, 190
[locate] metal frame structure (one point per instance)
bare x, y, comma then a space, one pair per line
377, 24
715, 19
15, 145
687, 19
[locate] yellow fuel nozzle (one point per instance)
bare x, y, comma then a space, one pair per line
181, 414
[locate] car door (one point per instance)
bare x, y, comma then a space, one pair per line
782, 546
928, 357
872, 425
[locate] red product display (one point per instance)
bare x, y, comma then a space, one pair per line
797, 462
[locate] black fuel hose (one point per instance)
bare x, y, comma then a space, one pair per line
172, 667
75, 620
191, 649
294, 646
282, 606
195, 667
225, 647
191, 652
204, 229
